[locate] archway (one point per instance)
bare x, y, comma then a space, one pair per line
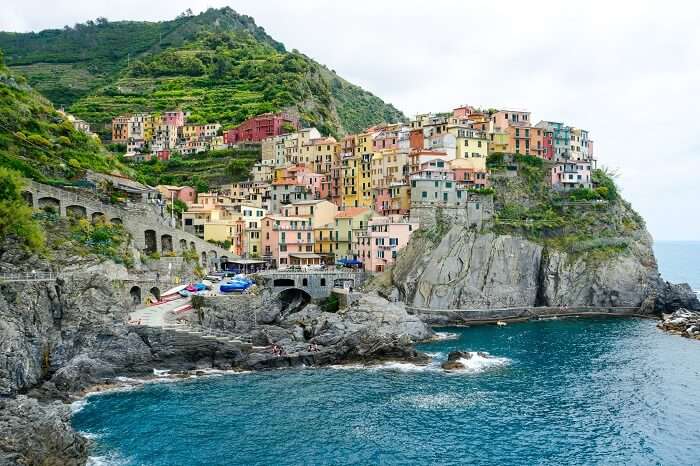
50, 204
149, 237
166, 243
192, 246
76, 211
135, 293
116, 220
28, 198
204, 259
323, 282
155, 292
97, 216
305, 282
283, 282
293, 300
183, 245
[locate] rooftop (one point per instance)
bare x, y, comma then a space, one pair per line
351, 212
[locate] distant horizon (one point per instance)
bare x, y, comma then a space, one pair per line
615, 81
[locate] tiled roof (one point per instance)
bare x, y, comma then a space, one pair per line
351, 212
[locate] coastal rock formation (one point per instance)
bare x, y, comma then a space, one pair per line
471, 270
682, 322
39, 433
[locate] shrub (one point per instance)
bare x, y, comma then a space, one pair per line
15, 215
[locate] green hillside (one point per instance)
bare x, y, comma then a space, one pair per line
219, 65
40, 143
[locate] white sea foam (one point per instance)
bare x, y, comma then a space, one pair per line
395, 366
110, 459
78, 405
480, 361
440, 336
90, 435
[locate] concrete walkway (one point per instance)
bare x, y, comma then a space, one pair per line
155, 316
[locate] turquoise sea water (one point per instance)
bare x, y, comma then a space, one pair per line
575, 391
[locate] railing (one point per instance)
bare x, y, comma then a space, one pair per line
28, 277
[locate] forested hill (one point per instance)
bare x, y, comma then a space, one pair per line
40, 143
219, 65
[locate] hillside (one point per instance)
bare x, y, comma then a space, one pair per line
39, 142
220, 65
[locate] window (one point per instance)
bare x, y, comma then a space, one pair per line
424, 194
283, 248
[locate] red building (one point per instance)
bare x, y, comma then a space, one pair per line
260, 127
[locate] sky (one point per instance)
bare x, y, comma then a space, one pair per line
626, 71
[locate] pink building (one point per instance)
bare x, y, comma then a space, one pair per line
286, 240
186, 194
176, 118
571, 175
379, 245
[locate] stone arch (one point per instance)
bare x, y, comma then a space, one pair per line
305, 282
135, 293
283, 282
293, 300
323, 282
204, 258
149, 238
183, 245
28, 198
97, 216
155, 292
166, 243
76, 210
50, 203
192, 246
116, 220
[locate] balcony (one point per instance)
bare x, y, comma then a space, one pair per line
291, 228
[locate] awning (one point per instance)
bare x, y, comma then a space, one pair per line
305, 255
245, 261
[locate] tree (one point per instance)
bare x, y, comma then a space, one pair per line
15, 215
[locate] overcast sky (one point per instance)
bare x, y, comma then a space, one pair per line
626, 71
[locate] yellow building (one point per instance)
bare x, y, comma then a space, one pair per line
317, 211
324, 239
350, 175
498, 142
354, 218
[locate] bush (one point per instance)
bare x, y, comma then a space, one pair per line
330, 304
15, 215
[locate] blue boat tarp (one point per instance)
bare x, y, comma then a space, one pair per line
236, 284
350, 262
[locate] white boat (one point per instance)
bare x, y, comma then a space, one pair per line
173, 291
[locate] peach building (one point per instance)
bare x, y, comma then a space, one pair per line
379, 245
287, 241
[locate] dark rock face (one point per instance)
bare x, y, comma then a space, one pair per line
36, 433
470, 270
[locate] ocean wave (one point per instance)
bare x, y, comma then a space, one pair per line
441, 336
110, 459
78, 405
481, 361
395, 366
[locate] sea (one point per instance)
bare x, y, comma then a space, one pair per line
582, 391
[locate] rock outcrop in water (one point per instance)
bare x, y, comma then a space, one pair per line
682, 322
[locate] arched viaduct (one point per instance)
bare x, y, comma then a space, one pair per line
149, 230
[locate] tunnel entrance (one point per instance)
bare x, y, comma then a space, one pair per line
293, 300
135, 293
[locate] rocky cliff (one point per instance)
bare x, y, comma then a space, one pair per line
472, 270
541, 248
